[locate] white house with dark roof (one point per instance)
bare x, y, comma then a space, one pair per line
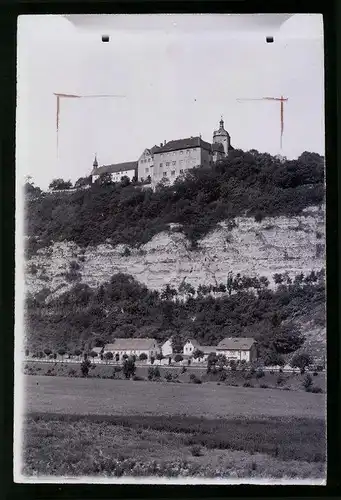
190, 346
238, 348
116, 171
132, 346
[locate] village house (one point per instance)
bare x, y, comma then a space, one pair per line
167, 348
170, 160
238, 349
132, 346
116, 171
190, 346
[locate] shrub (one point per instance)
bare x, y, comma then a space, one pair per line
223, 376
315, 374
196, 450
143, 356
247, 376
136, 378
260, 373
280, 379
168, 377
259, 217
264, 386
307, 382
153, 373
247, 384
178, 358
85, 366
183, 370
315, 389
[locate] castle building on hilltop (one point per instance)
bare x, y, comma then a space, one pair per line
170, 160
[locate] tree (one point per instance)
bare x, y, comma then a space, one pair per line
159, 357
272, 358
198, 354
177, 343
83, 181
47, 351
125, 181
129, 367
288, 338
108, 356
77, 352
178, 358
212, 360
62, 353
58, 184
104, 179
143, 356
27, 353
308, 382
85, 366
93, 354
301, 361
168, 292
278, 278
30, 189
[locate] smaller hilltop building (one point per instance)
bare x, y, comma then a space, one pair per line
170, 160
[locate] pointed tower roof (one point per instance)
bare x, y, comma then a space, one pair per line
95, 163
221, 130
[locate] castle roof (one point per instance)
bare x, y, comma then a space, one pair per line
115, 168
191, 142
133, 344
236, 343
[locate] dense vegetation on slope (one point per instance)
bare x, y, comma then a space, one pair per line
252, 183
83, 317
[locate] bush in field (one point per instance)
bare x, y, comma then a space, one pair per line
194, 379
178, 358
47, 351
307, 382
168, 377
93, 354
143, 356
247, 384
129, 368
223, 376
315, 390
196, 450
85, 366
260, 373
153, 373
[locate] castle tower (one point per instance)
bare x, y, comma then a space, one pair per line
95, 163
221, 136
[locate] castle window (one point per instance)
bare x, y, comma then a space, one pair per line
173, 172
181, 162
173, 162
165, 174
181, 152
161, 165
167, 164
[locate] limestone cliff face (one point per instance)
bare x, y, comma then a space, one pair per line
275, 245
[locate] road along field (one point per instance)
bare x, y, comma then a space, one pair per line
80, 396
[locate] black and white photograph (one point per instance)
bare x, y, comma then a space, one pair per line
170, 296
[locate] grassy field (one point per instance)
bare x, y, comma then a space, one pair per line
110, 428
126, 397
237, 378
59, 445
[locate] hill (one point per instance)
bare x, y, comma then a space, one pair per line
221, 253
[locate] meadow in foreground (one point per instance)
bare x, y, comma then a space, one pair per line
113, 446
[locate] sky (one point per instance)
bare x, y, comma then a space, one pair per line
178, 74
